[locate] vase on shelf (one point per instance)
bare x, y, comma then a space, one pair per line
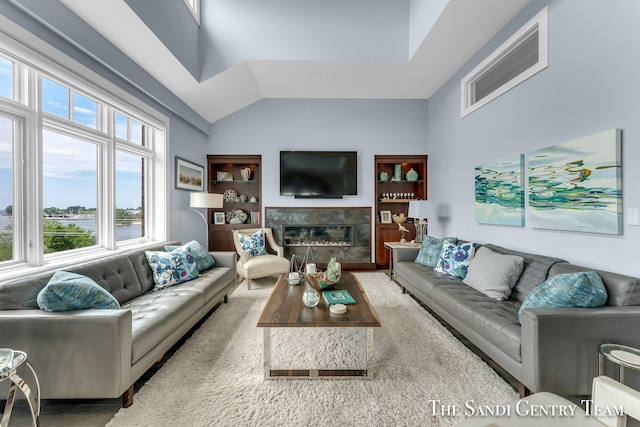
245, 174
397, 172
412, 175
384, 176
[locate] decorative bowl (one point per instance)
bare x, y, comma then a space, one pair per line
321, 282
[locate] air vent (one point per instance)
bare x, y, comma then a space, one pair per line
522, 56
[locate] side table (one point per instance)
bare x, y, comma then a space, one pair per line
9, 372
395, 246
622, 355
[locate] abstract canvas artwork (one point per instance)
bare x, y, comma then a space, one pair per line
500, 192
576, 185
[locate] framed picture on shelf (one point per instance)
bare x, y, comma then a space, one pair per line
225, 176
385, 217
189, 176
218, 218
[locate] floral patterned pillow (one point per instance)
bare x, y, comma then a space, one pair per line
170, 268
204, 260
455, 259
255, 243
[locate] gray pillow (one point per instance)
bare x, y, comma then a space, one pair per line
494, 274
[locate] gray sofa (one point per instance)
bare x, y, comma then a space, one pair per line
101, 353
554, 349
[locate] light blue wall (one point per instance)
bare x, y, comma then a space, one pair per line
590, 86
369, 127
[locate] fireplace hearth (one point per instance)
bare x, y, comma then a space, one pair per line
340, 232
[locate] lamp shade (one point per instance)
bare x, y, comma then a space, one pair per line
418, 209
206, 200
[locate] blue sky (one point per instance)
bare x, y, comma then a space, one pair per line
69, 164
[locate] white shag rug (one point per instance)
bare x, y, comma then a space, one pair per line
216, 377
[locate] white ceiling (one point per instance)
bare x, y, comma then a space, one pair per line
463, 27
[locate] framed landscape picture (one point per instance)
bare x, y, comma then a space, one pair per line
189, 176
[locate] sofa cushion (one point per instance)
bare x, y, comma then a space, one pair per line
431, 250
455, 258
494, 274
156, 315
204, 260
170, 268
580, 289
495, 321
254, 243
70, 291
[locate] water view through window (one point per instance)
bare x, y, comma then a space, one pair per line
6, 188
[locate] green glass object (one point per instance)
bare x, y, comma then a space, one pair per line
412, 175
397, 172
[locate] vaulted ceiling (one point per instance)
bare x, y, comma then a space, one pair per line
247, 50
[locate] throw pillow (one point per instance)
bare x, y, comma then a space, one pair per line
170, 268
494, 274
70, 291
454, 259
430, 251
204, 260
580, 289
255, 243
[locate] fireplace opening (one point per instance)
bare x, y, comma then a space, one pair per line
318, 235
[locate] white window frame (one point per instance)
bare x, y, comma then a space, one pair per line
467, 85
194, 8
36, 59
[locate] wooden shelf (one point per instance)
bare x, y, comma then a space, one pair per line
418, 188
220, 235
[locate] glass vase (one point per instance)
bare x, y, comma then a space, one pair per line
310, 297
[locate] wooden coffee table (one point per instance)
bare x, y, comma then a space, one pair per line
285, 309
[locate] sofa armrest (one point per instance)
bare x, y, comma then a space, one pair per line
559, 346
225, 259
83, 353
406, 254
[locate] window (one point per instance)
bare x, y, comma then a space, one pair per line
522, 56
6, 78
70, 177
6, 188
83, 168
194, 8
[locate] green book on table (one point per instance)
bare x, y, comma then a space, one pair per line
338, 296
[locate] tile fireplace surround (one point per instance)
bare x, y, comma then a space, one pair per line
345, 231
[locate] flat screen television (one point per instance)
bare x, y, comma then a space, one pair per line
317, 174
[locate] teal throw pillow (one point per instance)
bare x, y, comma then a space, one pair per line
170, 268
70, 291
431, 249
580, 289
455, 259
255, 243
204, 260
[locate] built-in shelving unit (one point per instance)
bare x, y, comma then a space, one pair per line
231, 166
393, 194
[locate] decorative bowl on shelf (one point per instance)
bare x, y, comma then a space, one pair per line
400, 219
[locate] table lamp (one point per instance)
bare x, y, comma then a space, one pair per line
205, 200
418, 210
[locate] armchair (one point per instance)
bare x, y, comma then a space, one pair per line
252, 267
